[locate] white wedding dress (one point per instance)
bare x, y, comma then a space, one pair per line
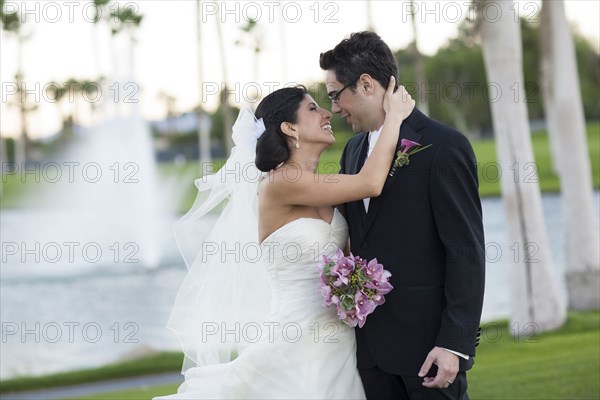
306, 352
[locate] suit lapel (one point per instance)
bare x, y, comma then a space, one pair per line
358, 164
355, 161
408, 130
359, 160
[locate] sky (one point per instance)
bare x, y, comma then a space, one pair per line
64, 43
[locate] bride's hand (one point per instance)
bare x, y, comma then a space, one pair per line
400, 103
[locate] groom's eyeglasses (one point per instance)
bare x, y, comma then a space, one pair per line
334, 96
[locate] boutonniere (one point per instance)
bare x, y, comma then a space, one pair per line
407, 149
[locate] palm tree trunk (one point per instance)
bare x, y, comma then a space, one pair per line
22, 142
566, 123
97, 72
419, 68
370, 26
111, 109
4, 160
102, 112
228, 118
535, 293
546, 86
283, 51
203, 132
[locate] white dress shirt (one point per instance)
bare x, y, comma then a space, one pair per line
373, 136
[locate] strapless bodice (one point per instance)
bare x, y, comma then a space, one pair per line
290, 256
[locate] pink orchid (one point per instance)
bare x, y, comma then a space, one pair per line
326, 292
407, 149
406, 145
364, 306
374, 269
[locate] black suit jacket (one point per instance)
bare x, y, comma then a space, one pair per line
426, 229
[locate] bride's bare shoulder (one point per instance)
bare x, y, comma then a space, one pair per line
264, 186
272, 179
272, 190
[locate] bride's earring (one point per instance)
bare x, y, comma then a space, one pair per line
297, 142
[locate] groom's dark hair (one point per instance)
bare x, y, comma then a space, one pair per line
361, 53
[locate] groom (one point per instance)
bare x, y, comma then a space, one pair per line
425, 228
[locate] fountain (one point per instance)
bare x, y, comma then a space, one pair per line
94, 233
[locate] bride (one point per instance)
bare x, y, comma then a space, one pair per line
249, 316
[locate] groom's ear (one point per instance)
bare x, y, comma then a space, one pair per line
366, 84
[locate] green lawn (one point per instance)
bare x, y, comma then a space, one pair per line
161, 362
558, 365
135, 394
489, 184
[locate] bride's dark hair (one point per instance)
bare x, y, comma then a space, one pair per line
280, 106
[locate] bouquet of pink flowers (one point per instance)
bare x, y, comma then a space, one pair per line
353, 285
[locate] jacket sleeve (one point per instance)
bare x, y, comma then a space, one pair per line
457, 212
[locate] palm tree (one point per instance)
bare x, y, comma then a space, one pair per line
228, 117
170, 108
255, 41
535, 293
100, 7
370, 26
57, 93
13, 25
120, 19
566, 125
203, 131
419, 68
283, 50
71, 91
126, 20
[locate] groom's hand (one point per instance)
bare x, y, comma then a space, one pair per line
447, 365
